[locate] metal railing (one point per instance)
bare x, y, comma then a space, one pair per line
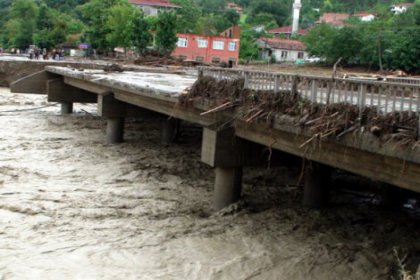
388, 96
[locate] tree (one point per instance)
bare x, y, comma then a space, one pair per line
141, 36
166, 37
95, 14
248, 48
265, 19
280, 9
319, 40
24, 13
231, 16
187, 16
212, 6
120, 25
45, 23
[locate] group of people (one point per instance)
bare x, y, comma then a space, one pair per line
35, 53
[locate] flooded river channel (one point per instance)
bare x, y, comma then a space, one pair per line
72, 207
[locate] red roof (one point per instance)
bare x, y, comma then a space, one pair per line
287, 44
235, 6
159, 3
336, 19
286, 30
363, 14
404, 5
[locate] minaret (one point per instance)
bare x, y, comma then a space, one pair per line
296, 14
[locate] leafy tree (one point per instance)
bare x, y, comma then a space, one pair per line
265, 19
206, 26
120, 24
319, 40
212, 6
248, 48
24, 13
96, 16
141, 36
188, 16
231, 16
280, 9
166, 37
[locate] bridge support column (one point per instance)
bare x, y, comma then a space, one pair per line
228, 154
60, 92
66, 108
227, 186
317, 185
114, 130
170, 130
221, 149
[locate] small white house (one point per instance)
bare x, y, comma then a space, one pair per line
400, 8
365, 16
282, 50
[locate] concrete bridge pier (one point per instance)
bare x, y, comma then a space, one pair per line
228, 154
227, 186
66, 95
170, 130
115, 130
317, 185
220, 149
66, 108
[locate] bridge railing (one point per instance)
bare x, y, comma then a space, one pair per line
386, 96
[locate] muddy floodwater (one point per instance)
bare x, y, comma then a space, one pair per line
72, 207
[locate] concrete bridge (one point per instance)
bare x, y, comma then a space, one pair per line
229, 149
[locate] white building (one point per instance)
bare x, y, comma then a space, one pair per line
154, 7
365, 16
282, 50
401, 7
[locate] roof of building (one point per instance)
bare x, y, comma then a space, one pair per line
363, 14
406, 4
336, 19
235, 6
158, 3
286, 30
287, 44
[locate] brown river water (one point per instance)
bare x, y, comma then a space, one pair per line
72, 207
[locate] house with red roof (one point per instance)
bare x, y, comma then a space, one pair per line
209, 49
285, 31
234, 6
401, 7
154, 7
282, 50
335, 19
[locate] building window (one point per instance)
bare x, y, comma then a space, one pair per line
199, 59
300, 55
218, 45
182, 42
283, 54
202, 43
215, 60
232, 46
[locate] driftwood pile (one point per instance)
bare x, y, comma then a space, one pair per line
334, 120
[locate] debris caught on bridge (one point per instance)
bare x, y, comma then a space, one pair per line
322, 121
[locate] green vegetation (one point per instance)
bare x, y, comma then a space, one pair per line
389, 42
